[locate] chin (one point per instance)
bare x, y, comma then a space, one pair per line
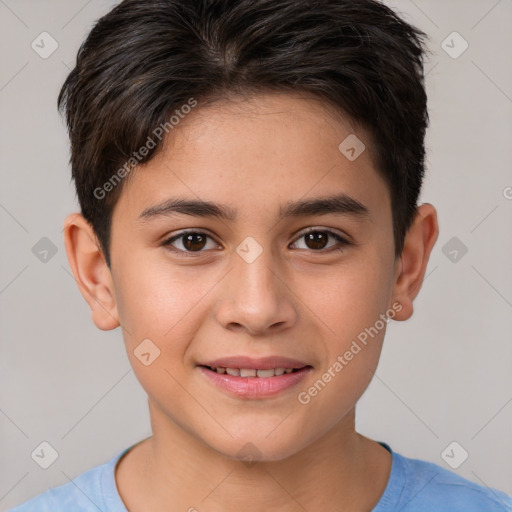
255, 447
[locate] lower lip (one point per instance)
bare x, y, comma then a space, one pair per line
255, 387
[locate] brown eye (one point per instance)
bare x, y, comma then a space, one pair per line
193, 242
190, 242
318, 240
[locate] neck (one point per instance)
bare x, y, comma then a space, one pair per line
340, 471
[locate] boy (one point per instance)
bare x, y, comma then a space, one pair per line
248, 173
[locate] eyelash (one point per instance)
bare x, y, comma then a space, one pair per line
342, 242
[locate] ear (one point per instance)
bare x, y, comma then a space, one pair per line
410, 269
91, 272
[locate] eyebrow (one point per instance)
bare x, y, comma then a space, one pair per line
340, 204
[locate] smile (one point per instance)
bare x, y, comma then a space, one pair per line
253, 372
254, 383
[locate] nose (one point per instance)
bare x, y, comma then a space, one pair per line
255, 298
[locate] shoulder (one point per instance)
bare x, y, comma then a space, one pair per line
85, 493
428, 486
58, 499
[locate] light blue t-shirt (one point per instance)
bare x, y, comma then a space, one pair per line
413, 486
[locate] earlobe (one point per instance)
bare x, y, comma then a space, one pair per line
418, 244
91, 272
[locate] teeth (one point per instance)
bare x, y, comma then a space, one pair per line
266, 373
252, 372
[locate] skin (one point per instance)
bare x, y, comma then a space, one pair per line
294, 300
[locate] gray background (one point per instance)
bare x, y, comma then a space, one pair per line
445, 375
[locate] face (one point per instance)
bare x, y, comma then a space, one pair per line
259, 278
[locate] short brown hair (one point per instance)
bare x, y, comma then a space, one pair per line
147, 58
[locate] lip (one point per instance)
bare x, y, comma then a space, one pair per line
255, 387
262, 363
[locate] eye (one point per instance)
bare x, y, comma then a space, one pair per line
318, 240
190, 242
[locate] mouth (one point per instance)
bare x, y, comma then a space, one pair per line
260, 373
256, 379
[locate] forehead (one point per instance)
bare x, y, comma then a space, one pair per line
257, 154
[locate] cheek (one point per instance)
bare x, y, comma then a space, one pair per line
349, 305
352, 357
149, 298
161, 304
348, 298
154, 306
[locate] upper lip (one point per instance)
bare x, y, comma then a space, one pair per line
261, 363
